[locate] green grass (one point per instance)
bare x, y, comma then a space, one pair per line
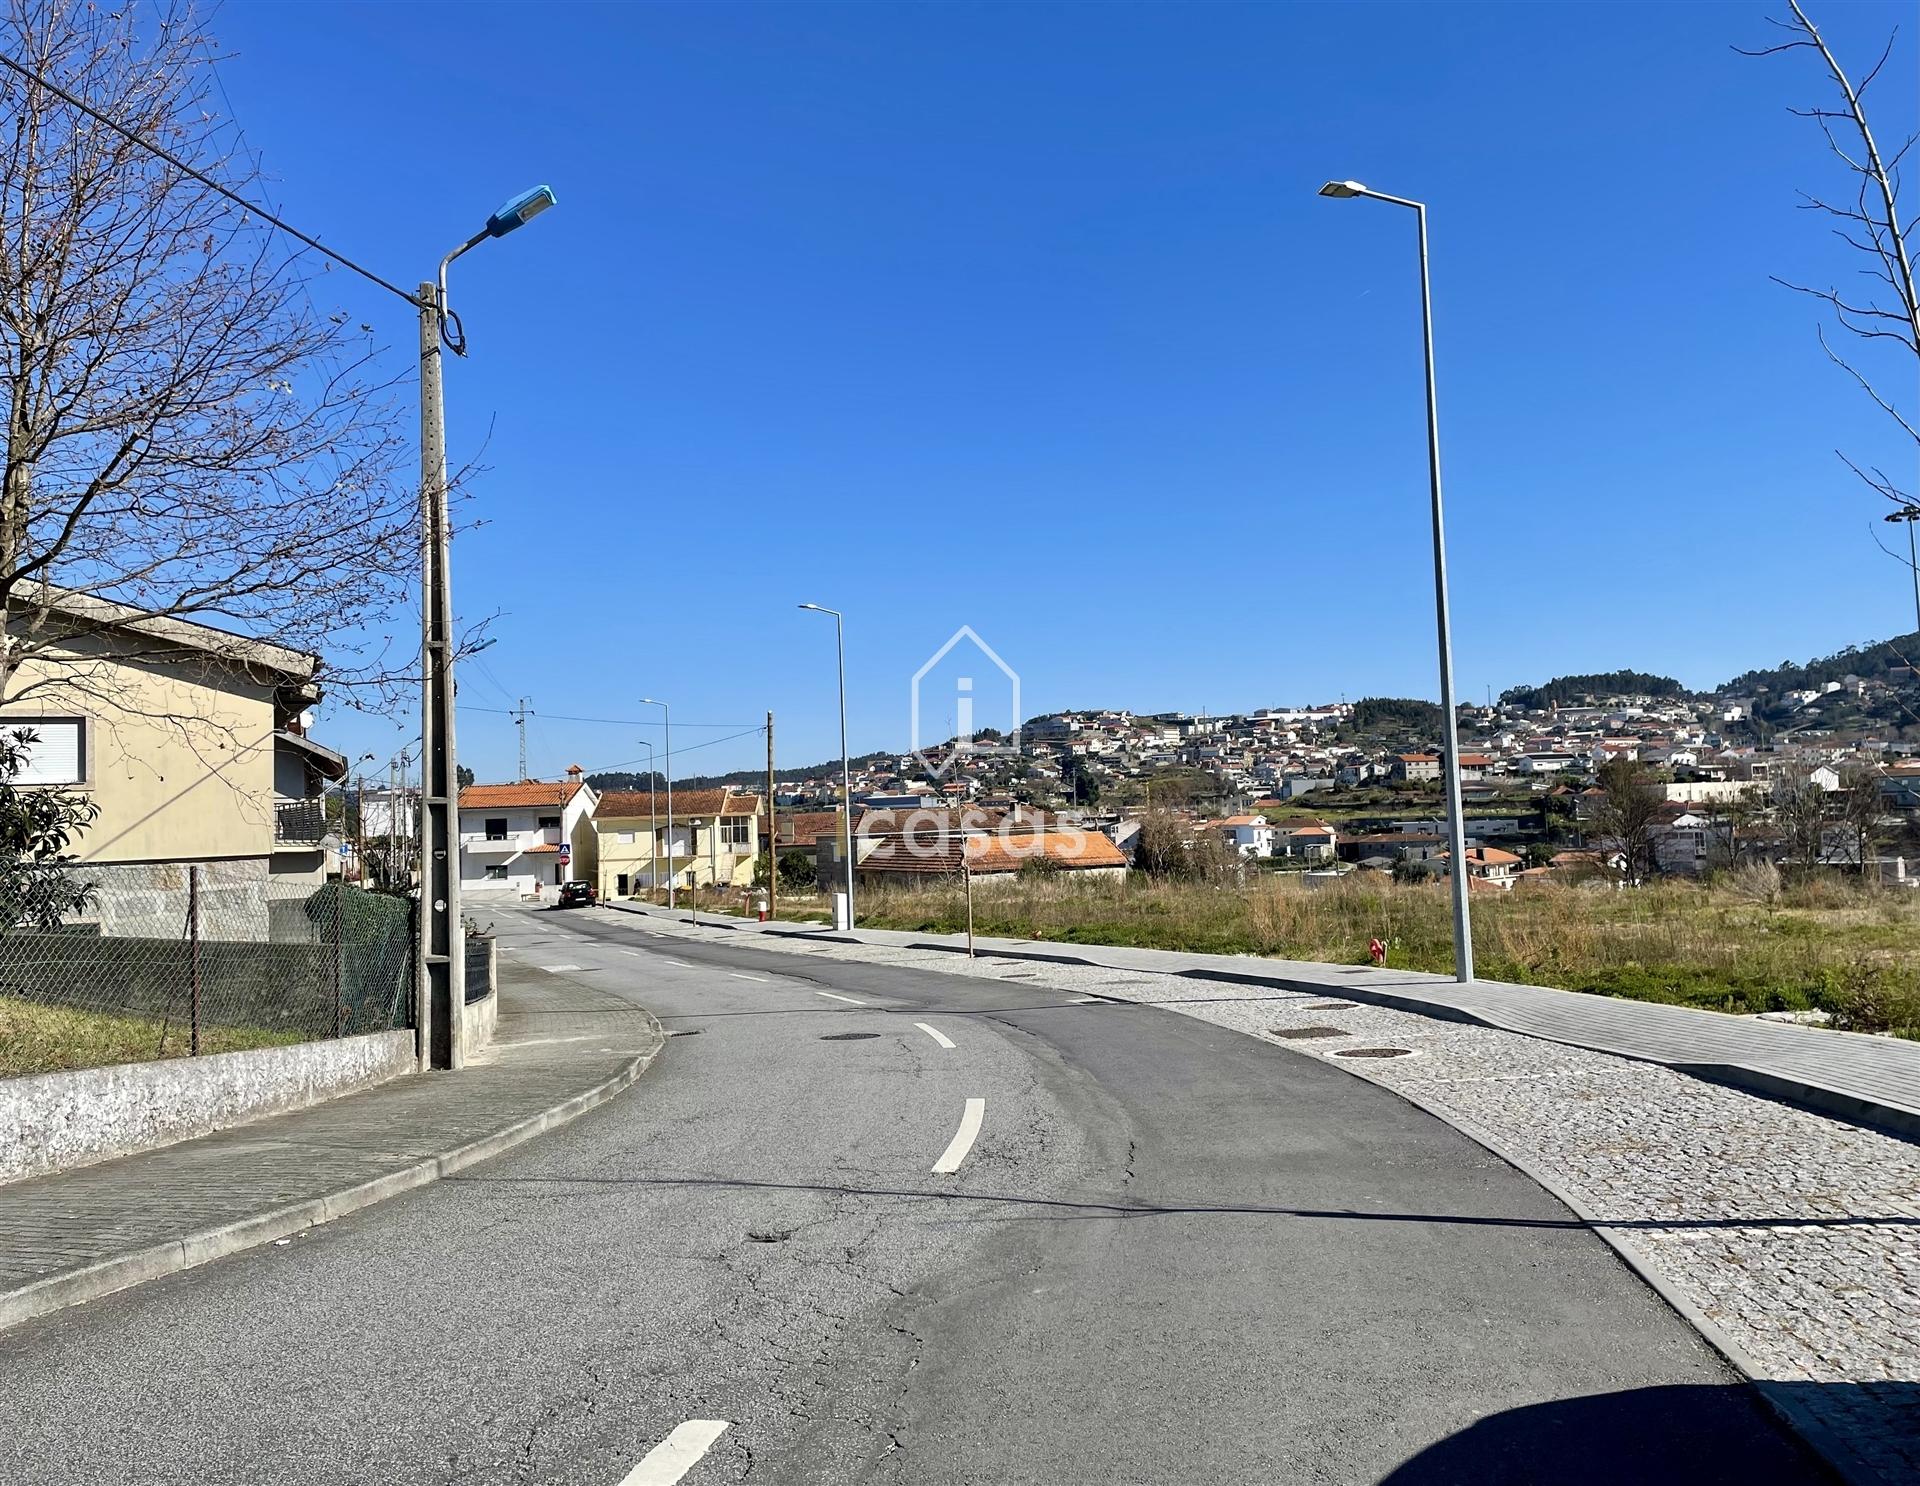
50, 1039
1846, 948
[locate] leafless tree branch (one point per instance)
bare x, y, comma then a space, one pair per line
186, 430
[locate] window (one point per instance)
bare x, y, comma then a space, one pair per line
58, 752
497, 829
625, 839
496, 874
733, 830
549, 822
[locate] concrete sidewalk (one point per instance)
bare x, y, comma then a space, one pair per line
1872, 1080
561, 1048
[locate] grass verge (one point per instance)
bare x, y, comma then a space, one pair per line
52, 1039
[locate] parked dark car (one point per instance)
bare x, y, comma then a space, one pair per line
577, 895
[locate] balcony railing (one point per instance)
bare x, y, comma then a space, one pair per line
299, 821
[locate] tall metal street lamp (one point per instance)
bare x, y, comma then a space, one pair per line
1456, 825
666, 719
439, 993
653, 826
846, 768
1910, 514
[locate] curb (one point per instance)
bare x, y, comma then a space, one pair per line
123, 1271
1831, 1448
1818, 1437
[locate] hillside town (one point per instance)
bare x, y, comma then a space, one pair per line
1322, 790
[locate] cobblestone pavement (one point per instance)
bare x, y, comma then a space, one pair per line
1797, 1236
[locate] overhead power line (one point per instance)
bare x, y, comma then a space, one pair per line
201, 176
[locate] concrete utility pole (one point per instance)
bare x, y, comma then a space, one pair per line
442, 945
1449, 723
846, 765
520, 715
773, 833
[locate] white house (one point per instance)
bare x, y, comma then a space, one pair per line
526, 838
1251, 835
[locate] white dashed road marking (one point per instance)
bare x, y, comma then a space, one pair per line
681, 963
736, 975
677, 1454
939, 1037
963, 1138
634, 952
558, 969
836, 996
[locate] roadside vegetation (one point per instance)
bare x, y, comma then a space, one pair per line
1745, 943
54, 1039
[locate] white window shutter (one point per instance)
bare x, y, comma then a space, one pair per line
54, 755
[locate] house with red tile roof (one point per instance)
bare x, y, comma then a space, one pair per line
712, 835
525, 838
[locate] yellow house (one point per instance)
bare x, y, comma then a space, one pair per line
714, 834
191, 742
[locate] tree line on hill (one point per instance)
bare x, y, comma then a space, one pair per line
1564, 691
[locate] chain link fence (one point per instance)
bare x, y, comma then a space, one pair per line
175, 960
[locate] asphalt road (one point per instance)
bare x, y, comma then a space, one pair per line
1170, 1254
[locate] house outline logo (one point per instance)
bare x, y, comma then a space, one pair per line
963, 741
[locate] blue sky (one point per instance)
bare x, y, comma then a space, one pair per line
1027, 317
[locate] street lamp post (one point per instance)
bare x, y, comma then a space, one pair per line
442, 952
1910, 514
653, 827
1449, 724
846, 768
666, 719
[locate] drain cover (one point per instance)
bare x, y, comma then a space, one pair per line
769, 1235
1329, 1006
1374, 1052
1294, 1034
688, 1032
848, 1036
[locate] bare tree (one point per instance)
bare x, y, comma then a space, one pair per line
187, 432
1859, 807
1800, 811
1626, 820
1728, 821
1885, 313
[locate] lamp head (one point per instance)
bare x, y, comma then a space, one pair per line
1343, 188
520, 211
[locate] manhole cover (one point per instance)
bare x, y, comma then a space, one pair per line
1295, 1034
769, 1235
848, 1036
1374, 1052
1329, 1006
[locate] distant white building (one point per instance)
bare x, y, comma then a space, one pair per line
525, 839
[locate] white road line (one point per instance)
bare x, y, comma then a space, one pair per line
1084, 1000
637, 954
736, 975
835, 996
677, 1454
963, 1138
939, 1037
558, 969
681, 963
